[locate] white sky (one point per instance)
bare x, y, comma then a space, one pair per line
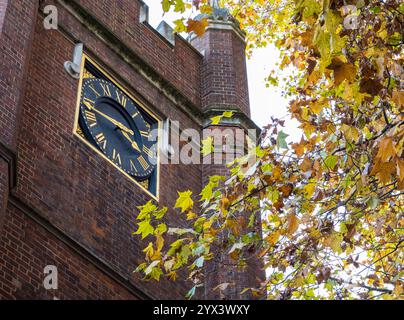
265, 102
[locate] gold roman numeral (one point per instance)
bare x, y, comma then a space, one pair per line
106, 90
95, 91
101, 140
148, 151
132, 166
144, 133
116, 157
91, 118
88, 103
143, 162
135, 114
121, 99
88, 100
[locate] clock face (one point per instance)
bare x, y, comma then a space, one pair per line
117, 127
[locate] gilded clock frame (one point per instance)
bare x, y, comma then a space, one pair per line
142, 106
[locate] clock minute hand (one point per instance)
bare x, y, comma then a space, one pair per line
117, 123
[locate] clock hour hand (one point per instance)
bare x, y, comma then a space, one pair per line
117, 123
132, 142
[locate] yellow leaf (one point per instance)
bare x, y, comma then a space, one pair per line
191, 215
216, 120
351, 133
172, 275
184, 201
273, 238
159, 242
149, 250
334, 241
309, 189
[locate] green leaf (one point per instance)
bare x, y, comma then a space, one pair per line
237, 246
281, 140
331, 162
191, 293
166, 4
199, 262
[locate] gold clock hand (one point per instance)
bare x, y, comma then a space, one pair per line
117, 123
133, 143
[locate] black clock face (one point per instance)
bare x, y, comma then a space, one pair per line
116, 126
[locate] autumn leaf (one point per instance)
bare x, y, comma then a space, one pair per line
345, 71
273, 237
207, 146
184, 201
197, 26
144, 228
281, 140
398, 98
386, 149
293, 224
347, 172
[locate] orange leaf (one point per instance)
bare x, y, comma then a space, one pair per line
197, 26
386, 149
306, 165
400, 170
293, 224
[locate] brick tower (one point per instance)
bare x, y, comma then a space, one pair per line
65, 200
225, 88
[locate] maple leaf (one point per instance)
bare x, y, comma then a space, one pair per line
293, 224
207, 146
273, 238
197, 26
144, 228
386, 149
400, 169
345, 71
281, 140
216, 120
184, 201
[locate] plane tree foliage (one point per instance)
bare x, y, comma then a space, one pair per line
329, 208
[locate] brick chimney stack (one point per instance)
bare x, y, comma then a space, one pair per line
225, 88
224, 74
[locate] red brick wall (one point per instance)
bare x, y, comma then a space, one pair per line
26, 248
219, 270
16, 29
3, 189
224, 74
68, 184
3, 8
179, 64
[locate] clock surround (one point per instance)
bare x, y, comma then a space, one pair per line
111, 121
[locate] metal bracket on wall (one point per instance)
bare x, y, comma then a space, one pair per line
73, 67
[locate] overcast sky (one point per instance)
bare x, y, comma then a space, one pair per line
265, 102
